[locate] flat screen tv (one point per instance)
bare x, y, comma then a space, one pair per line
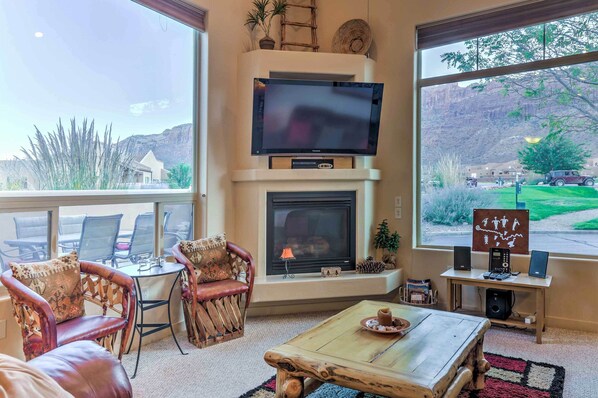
315, 117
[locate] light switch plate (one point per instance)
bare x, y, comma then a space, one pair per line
398, 212
398, 201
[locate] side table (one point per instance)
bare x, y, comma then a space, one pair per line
143, 305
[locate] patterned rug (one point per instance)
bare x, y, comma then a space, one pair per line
508, 378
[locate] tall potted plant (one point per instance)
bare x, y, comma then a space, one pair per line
388, 242
261, 15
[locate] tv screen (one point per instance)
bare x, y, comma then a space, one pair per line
317, 117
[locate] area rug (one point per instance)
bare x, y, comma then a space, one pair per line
508, 378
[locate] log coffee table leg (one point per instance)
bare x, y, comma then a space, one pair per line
288, 386
481, 365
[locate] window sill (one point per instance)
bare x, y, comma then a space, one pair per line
559, 256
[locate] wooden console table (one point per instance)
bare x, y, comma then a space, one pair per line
523, 283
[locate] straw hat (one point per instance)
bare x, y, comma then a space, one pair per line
353, 37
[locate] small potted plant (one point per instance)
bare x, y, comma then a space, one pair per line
388, 242
261, 15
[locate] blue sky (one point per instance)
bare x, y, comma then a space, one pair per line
111, 60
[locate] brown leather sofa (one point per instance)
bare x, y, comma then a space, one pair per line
85, 370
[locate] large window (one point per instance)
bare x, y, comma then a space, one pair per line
509, 120
98, 137
96, 95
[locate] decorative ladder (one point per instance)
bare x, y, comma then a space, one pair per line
312, 25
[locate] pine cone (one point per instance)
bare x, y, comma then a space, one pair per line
370, 266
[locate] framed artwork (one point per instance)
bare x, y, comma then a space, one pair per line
507, 229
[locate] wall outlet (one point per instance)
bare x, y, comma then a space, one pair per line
2, 329
398, 201
398, 213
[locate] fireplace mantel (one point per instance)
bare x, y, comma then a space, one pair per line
249, 175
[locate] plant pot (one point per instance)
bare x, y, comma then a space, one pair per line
267, 43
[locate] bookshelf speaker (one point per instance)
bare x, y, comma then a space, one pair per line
462, 258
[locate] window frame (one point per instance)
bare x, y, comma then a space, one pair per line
474, 75
51, 201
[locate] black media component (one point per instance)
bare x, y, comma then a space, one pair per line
312, 163
499, 303
315, 117
462, 258
538, 263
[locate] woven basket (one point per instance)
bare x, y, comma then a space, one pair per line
405, 299
353, 37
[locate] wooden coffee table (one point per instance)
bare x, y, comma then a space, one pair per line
436, 357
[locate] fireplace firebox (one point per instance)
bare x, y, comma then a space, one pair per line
319, 227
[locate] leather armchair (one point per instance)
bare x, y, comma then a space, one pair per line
215, 311
102, 285
85, 370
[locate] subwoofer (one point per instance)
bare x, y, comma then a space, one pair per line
498, 303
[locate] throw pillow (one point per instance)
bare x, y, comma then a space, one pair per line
209, 257
58, 281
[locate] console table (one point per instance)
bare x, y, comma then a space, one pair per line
523, 283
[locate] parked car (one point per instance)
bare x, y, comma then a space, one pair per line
562, 177
471, 182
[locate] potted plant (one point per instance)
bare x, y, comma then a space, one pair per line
261, 15
388, 242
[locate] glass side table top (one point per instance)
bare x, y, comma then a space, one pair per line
166, 269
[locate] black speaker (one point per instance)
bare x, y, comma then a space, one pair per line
538, 263
462, 258
499, 303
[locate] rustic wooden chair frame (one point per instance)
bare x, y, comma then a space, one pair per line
221, 319
106, 287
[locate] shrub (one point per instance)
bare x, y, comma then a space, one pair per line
454, 205
447, 171
78, 159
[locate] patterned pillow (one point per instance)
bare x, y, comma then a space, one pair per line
209, 257
58, 281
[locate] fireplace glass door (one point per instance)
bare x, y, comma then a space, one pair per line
319, 227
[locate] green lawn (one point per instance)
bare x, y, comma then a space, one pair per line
587, 225
546, 201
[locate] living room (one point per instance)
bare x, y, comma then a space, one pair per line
229, 184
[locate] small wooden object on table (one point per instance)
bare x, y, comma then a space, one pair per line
437, 356
522, 282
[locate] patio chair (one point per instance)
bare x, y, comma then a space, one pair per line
98, 238
71, 225
142, 241
106, 287
173, 234
31, 227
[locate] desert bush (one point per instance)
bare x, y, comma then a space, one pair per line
78, 158
447, 171
454, 205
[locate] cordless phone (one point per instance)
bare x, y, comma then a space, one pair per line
500, 260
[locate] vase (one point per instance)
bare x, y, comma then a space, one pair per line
267, 43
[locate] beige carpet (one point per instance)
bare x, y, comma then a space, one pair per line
230, 369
